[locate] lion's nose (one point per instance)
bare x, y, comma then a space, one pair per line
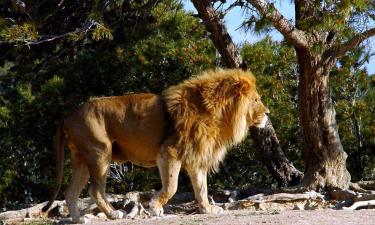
267, 112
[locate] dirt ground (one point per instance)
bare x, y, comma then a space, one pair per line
246, 217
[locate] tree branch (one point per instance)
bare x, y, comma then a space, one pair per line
49, 38
219, 35
352, 43
296, 37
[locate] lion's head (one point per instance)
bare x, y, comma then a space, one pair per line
212, 111
257, 114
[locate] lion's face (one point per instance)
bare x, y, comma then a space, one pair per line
257, 113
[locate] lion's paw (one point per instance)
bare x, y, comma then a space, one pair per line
117, 214
81, 220
211, 209
156, 209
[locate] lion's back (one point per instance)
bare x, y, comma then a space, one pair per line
136, 123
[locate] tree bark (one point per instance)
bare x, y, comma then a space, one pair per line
317, 53
265, 140
219, 34
273, 156
325, 159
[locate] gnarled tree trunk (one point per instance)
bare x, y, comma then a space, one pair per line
265, 140
273, 157
325, 159
318, 47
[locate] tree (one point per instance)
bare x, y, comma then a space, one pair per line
323, 32
274, 65
55, 56
265, 139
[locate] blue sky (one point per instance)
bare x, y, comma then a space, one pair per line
235, 17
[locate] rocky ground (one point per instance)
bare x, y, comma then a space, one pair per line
243, 217
340, 207
247, 217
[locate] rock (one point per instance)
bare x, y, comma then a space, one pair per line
101, 216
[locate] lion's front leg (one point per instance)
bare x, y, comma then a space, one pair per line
169, 168
199, 181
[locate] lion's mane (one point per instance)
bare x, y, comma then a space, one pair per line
209, 114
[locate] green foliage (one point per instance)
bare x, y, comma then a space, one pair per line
24, 92
337, 16
101, 32
275, 67
4, 116
134, 48
354, 96
19, 33
40, 84
52, 86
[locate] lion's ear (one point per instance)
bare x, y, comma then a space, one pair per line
241, 88
244, 87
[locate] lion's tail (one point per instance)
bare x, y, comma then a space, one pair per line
59, 151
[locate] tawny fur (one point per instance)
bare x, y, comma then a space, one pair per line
209, 112
190, 126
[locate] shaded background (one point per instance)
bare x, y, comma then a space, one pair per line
140, 48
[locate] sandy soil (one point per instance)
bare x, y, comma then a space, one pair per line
246, 217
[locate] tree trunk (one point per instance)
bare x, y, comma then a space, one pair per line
325, 159
219, 34
265, 140
273, 156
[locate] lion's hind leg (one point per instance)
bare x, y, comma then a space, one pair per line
169, 168
80, 176
98, 175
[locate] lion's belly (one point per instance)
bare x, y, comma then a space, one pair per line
141, 155
140, 145
140, 132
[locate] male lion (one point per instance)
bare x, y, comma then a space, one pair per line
191, 125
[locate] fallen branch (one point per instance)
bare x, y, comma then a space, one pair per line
279, 201
223, 196
364, 197
32, 212
342, 195
286, 197
362, 204
356, 187
350, 199
369, 185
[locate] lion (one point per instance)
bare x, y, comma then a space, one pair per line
190, 126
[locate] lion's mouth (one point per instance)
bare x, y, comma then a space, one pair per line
261, 123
